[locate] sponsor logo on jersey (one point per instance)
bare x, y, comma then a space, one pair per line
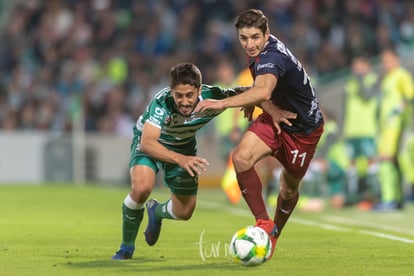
266, 65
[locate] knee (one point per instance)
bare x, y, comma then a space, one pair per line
241, 160
140, 192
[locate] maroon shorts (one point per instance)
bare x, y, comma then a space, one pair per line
294, 151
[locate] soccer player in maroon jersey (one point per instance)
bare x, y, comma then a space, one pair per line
290, 133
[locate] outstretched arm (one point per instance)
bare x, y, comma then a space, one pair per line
150, 145
261, 91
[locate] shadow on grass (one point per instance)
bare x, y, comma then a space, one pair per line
154, 265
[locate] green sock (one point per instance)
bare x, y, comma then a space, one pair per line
161, 211
131, 220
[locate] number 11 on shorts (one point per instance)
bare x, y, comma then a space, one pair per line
297, 156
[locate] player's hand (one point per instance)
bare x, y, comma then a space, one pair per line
193, 164
280, 116
248, 112
208, 104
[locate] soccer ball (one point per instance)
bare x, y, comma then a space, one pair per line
250, 246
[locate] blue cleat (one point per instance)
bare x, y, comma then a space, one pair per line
124, 253
154, 225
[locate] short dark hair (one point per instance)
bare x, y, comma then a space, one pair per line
252, 18
185, 73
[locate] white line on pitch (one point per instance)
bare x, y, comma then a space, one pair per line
386, 236
328, 226
342, 220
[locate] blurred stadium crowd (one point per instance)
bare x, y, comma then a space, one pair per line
108, 58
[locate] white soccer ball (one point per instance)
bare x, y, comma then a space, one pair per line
250, 246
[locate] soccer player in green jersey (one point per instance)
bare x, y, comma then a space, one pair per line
165, 137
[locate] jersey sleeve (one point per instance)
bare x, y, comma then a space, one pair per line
270, 63
218, 93
156, 114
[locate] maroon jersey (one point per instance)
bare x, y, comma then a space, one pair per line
293, 90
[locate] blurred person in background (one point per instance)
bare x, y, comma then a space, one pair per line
229, 125
326, 175
80, 36
396, 111
280, 82
359, 125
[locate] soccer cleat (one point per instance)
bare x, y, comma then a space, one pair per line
271, 229
154, 226
268, 225
124, 253
273, 239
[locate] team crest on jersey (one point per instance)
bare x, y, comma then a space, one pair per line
167, 120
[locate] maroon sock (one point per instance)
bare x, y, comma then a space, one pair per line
284, 209
251, 188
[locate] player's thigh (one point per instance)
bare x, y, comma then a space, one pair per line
250, 150
142, 172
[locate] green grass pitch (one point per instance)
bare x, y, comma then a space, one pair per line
74, 230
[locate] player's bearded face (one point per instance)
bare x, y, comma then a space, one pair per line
186, 98
252, 40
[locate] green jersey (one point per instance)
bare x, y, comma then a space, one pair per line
178, 132
361, 106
